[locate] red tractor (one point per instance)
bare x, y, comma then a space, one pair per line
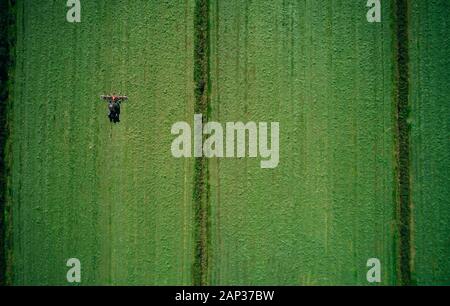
114, 106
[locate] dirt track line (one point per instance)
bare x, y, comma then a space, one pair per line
7, 44
3, 101
201, 173
403, 142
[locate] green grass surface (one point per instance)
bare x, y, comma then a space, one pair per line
115, 198
326, 75
430, 130
110, 195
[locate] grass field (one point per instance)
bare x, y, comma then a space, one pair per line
326, 75
430, 127
115, 198
111, 196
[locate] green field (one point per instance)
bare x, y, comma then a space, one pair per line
115, 198
430, 127
329, 205
111, 196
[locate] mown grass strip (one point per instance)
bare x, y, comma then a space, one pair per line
200, 193
403, 141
